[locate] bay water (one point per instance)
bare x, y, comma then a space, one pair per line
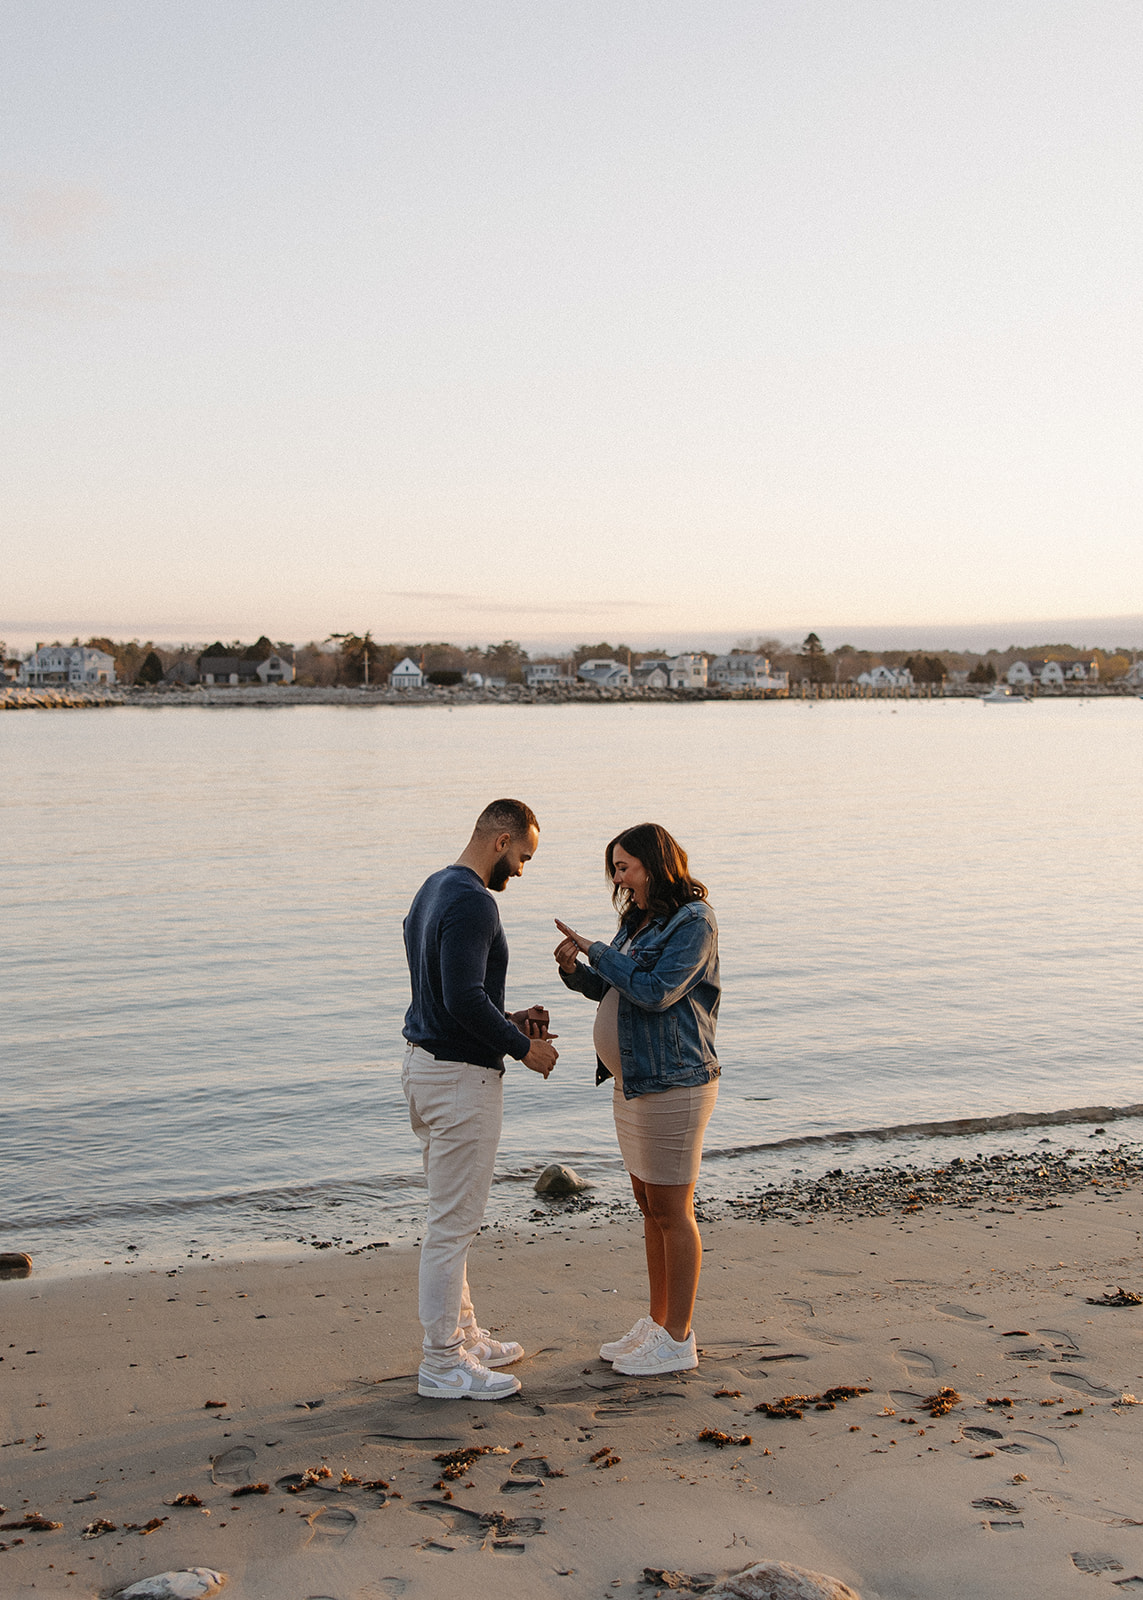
929, 911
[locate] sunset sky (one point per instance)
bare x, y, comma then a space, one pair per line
566, 321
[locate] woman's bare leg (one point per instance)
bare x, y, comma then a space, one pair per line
674, 1252
656, 1258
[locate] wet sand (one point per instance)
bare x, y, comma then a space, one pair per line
1030, 1483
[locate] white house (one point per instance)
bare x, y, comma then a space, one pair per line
406, 675
1020, 675
689, 671
745, 670
67, 663
887, 678
1051, 675
1134, 675
605, 674
540, 672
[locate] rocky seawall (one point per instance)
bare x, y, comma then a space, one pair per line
273, 695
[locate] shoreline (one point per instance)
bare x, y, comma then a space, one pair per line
279, 696
1026, 1482
889, 1185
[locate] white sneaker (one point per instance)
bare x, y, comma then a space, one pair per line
630, 1341
659, 1353
467, 1380
492, 1352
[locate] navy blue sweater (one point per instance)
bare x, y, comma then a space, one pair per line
458, 960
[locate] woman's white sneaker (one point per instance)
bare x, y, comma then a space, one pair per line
467, 1380
659, 1353
630, 1341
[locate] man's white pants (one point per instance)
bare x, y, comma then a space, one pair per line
456, 1109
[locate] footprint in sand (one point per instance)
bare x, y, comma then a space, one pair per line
1076, 1380
1094, 1562
918, 1365
233, 1465
489, 1528
1063, 1345
331, 1524
527, 1474
1021, 1442
1129, 1585
962, 1313
628, 1401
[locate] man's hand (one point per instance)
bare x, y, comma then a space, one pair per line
542, 1057
533, 1022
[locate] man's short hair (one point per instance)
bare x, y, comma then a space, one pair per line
507, 816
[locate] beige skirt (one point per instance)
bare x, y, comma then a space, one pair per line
660, 1135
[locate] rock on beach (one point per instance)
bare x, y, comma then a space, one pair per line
195, 1583
776, 1580
555, 1182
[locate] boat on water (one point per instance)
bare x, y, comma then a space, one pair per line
1005, 695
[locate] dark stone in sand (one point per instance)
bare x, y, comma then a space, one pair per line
15, 1264
556, 1182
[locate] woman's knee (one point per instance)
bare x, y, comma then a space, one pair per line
670, 1206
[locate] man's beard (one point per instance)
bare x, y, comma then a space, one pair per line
498, 877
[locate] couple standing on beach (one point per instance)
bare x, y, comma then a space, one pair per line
657, 988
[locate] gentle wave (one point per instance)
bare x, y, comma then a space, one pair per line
936, 1130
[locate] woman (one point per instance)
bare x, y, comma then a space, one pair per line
658, 991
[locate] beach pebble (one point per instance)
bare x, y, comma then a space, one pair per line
556, 1181
195, 1583
14, 1264
774, 1580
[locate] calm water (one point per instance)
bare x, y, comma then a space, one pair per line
928, 910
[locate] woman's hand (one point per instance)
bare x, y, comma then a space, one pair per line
573, 944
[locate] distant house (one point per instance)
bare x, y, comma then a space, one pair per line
1050, 674
689, 671
406, 675
540, 672
235, 665
605, 674
73, 664
652, 675
745, 670
1134, 675
881, 677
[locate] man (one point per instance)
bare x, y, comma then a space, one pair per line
458, 1035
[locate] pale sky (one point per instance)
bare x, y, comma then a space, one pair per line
569, 320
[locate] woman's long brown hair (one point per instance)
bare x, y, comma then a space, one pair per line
664, 860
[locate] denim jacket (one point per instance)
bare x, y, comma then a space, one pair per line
668, 999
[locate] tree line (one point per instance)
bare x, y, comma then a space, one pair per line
350, 658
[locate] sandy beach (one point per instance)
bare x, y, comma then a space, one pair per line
1030, 1486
